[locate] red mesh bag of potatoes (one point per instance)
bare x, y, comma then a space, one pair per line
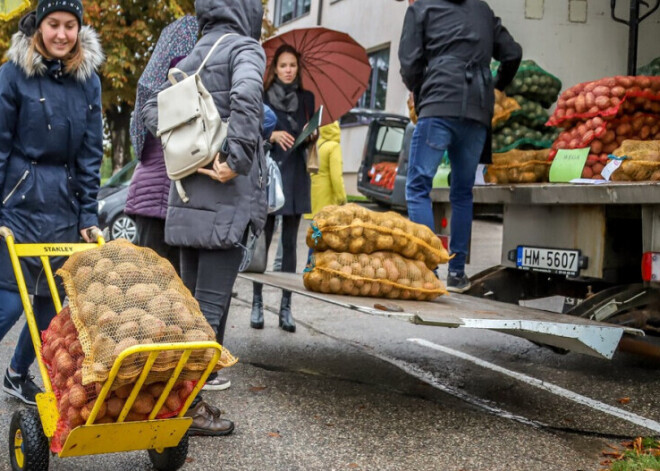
380, 274
352, 228
63, 355
604, 137
121, 295
607, 98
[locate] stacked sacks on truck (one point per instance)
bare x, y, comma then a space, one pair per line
524, 130
120, 296
364, 253
519, 166
601, 115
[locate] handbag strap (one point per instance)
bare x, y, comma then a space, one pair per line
213, 49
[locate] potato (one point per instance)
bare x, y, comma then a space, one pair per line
144, 403
107, 322
124, 391
139, 295
86, 411
74, 418
356, 246
88, 312
129, 273
173, 401
83, 278
173, 333
196, 335
152, 327
75, 349
324, 287
174, 295
95, 292
124, 344
102, 267
159, 304
335, 285
128, 329
347, 286
114, 406
113, 278
131, 314
102, 349
77, 395
183, 317
64, 363
135, 417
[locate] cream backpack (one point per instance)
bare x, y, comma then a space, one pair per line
189, 125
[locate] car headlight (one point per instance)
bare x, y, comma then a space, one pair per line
101, 204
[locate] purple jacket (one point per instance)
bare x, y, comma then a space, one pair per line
150, 187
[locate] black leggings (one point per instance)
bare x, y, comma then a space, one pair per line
210, 277
289, 241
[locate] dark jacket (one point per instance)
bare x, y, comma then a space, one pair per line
293, 166
51, 146
445, 52
218, 214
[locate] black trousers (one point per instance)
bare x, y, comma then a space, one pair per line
289, 241
151, 233
210, 277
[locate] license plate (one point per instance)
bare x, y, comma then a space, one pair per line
563, 262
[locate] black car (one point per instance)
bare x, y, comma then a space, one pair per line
385, 155
112, 200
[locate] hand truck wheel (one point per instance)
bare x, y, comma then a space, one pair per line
170, 459
28, 446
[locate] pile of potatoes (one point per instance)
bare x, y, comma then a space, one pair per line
122, 295
380, 274
63, 355
354, 229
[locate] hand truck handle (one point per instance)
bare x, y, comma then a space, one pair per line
6, 232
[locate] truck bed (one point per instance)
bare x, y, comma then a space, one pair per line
561, 193
461, 311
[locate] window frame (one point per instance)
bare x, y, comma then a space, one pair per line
372, 88
277, 17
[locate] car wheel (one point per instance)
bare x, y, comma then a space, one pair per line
123, 227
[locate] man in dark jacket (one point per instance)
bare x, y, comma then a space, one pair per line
445, 53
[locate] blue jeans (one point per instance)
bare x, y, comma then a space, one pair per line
463, 139
11, 309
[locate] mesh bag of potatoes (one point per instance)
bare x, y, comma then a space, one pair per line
63, 355
352, 228
121, 295
380, 274
641, 161
519, 166
504, 106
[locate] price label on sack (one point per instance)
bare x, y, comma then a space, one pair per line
568, 165
612, 165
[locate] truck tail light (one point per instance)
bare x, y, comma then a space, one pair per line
651, 266
445, 241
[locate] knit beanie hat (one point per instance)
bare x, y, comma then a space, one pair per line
46, 7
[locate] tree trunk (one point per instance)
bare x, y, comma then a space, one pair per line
119, 121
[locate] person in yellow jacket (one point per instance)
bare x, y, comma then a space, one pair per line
328, 183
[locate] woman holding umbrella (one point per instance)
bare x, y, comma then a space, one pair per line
294, 106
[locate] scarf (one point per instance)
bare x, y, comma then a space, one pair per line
284, 98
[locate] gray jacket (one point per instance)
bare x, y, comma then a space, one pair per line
445, 52
218, 214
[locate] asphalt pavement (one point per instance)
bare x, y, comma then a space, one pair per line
350, 391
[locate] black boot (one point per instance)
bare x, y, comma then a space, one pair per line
286, 318
257, 317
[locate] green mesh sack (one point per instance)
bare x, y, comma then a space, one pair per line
652, 68
534, 83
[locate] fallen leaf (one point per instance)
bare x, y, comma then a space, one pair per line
190, 460
353, 465
274, 435
258, 388
329, 424
624, 400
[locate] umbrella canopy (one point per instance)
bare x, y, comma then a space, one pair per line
12, 8
333, 66
176, 40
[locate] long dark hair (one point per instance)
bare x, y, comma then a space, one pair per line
270, 74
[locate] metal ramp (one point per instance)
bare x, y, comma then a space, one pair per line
459, 311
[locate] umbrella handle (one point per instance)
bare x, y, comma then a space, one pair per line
171, 75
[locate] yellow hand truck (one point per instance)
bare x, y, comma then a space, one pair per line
30, 432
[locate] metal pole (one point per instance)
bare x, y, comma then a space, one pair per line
633, 37
319, 18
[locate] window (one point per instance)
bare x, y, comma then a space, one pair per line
376, 93
287, 10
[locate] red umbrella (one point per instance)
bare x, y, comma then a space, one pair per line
333, 65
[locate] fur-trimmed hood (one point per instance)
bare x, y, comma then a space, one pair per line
18, 53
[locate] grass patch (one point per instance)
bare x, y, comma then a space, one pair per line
641, 454
357, 199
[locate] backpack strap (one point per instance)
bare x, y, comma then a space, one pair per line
213, 49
